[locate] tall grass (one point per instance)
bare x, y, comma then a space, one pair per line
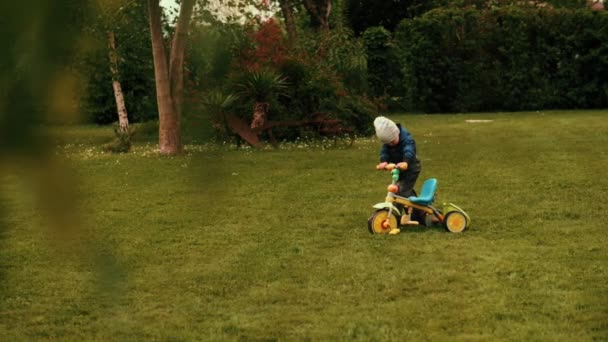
239, 244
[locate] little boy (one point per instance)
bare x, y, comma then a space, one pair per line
398, 146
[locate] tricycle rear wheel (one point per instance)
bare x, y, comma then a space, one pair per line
455, 222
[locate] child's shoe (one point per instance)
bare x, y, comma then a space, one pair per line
406, 221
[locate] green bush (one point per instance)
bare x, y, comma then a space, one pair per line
383, 68
210, 54
135, 67
321, 73
456, 60
305, 89
137, 83
122, 141
346, 55
356, 112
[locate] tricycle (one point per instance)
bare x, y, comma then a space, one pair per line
387, 217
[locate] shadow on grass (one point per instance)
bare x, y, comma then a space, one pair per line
3, 237
421, 229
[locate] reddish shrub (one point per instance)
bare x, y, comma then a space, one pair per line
268, 47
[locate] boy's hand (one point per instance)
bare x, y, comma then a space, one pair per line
402, 166
381, 166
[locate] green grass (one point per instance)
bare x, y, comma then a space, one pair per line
226, 244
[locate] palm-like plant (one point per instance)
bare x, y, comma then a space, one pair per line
261, 87
217, 103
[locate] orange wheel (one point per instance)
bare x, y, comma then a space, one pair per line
455, 222
380, 223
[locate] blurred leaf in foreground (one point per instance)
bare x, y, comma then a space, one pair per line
38, 85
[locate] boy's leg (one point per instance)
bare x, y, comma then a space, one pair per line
406, 184
406, 187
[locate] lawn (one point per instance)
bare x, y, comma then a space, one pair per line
240, 244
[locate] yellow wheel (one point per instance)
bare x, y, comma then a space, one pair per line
379, 223
455, 222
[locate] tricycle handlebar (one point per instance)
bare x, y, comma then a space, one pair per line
391, 166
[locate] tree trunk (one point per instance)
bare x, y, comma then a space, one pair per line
290, 23
319, 11
169, 135
123, 119
176, 60
260, 114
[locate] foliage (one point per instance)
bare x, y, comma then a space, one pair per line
384, 71
298, 82
217, 105
494, 4
504, 59
260, 86
137, 81
267, 46
327, 74
356, 112
122, 142
209, 61
217, 102
37, 84
363, 14
210, 56
335, 57
226, 245
135, 65
345, 54
308, 89
213, 13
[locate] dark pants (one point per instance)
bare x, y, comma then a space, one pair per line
406, 183
407, 180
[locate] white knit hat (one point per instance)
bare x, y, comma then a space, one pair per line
386, 130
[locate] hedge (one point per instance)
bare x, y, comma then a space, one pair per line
457, 60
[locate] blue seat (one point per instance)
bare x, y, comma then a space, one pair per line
427, 194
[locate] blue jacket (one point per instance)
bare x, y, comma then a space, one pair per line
404, 151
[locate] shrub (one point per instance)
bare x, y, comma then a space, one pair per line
322, 73
122, 141
135, 67
456, 60
137, 83
383, 68
265, 47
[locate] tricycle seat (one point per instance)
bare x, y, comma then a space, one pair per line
427, 194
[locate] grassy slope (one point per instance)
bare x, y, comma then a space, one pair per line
227, 244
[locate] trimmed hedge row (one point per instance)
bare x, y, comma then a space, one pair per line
457, 60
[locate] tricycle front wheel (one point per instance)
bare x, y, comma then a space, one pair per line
380, 223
